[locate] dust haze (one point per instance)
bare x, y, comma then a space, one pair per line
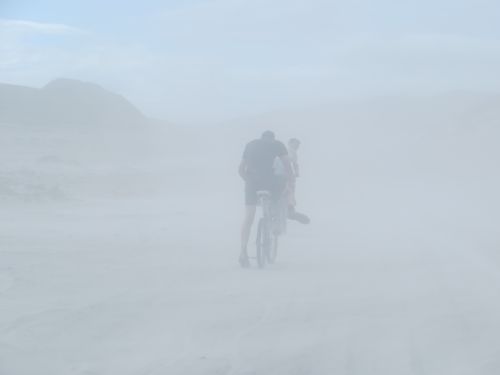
121, 204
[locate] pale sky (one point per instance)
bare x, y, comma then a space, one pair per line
212, 60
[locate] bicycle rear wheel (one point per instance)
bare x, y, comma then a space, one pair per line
263, 242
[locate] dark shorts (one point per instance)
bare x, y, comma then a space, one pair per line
275, 185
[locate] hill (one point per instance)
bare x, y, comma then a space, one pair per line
67, 102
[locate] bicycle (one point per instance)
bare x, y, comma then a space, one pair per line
271, 225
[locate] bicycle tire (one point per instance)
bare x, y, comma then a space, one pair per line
262, 242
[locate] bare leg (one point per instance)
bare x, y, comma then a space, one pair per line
246, 227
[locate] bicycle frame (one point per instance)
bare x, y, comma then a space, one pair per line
271, 225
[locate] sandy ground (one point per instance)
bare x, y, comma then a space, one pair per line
152, 287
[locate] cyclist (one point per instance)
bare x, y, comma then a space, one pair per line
257, 170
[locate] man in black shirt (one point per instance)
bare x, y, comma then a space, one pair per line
257, 170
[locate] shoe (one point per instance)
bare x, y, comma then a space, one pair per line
244, 261
301, 218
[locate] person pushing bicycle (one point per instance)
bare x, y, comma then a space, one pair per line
257, 171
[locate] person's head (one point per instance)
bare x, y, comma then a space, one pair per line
294, 143
268, 136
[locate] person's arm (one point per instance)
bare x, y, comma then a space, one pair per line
287, 164
242, 170
295, 167
294, 161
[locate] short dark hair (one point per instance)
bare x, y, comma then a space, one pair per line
268, 135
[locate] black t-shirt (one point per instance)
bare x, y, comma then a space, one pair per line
259, 155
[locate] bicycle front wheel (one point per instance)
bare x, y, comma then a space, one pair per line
263, 242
